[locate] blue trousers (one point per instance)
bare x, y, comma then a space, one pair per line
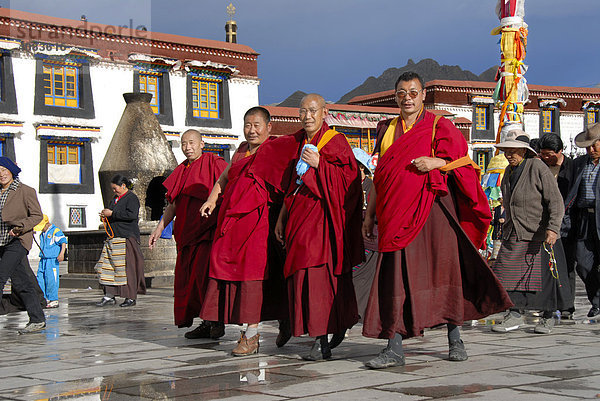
47, 276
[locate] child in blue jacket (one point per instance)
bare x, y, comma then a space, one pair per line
53, 245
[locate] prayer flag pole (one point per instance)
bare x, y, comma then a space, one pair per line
511, 93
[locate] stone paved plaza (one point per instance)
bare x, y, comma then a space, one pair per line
113, 353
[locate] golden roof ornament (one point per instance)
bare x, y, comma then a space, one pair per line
231, 10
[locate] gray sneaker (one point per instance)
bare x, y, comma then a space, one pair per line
544, 326
457, 351
32, 328
509, 323
386, 359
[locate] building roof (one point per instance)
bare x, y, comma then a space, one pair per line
536, 90
372, 96
43, 34
440, 112
349, 108
339, 115
462, 120
24, 19
532, 87
280, 111
362, 109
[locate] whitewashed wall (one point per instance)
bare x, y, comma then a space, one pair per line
109, 82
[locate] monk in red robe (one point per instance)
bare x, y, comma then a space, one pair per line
432, 216
320, 224
187, 189
246, 283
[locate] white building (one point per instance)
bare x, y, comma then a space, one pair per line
61, 99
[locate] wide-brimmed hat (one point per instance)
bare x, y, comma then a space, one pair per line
363, 158
516, 139
589, 136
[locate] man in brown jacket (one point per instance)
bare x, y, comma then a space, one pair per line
19, 212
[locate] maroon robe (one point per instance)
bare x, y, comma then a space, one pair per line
323, 239
429, 271
246, 284
188, 187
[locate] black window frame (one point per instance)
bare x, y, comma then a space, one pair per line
596, 109
555, 119
83, 217
219, 149
165, 115
489, 133
489, 152
224, 120
87, 168
9, 145
8, 95
86, 98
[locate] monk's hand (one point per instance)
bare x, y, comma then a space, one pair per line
280, 232
425, 163
311, 157
367, 227
207, 208
551, 237
106, 213
154, 237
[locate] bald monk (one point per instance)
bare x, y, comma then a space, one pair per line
246, 283
188, 187
320, 227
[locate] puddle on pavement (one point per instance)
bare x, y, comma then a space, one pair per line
568, 373
445, 391
166, 386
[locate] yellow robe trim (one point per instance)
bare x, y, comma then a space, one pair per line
328, 136
463, 161
388, 137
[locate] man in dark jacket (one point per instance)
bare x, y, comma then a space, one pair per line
561, 166
581, 219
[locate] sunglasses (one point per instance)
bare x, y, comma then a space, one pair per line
413, 93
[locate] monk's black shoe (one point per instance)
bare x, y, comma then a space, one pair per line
594, 311
457, 351
127, 302
106, 301
319, 351
217, 330
386, 359
337, 339
285, 333
202, 331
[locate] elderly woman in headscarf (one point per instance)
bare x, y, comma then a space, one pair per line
19, 212
531, 257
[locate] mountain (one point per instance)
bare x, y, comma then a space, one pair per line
293, 100
428, 69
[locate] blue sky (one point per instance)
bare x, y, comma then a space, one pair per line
332, 46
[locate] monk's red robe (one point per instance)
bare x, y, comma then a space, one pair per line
430, 225
246, 284
239, 252
405, 196
323, 239
188, 188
